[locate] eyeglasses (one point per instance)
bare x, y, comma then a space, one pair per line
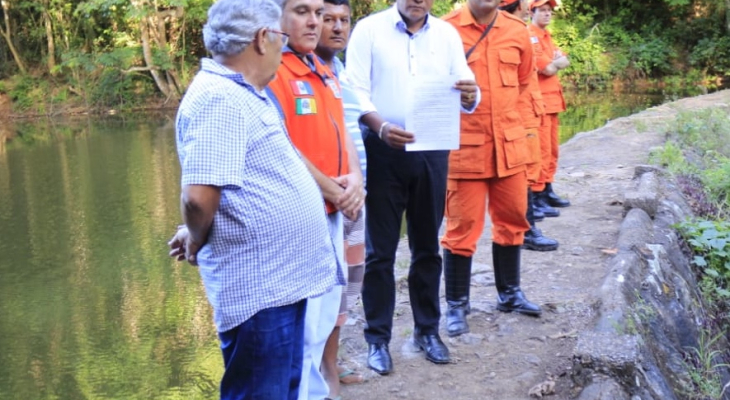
284, 36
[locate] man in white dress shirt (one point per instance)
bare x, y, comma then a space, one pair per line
386, 51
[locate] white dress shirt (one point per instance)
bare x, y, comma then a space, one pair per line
382, 56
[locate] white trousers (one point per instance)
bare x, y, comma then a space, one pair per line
321, 315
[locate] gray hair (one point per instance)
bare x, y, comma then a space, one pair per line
232, 24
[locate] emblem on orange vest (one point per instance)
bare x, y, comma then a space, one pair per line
305, 106
301, 88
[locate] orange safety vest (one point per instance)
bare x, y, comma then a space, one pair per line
493, 137
552, 90
311, 101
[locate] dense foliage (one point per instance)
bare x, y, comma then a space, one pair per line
117, 53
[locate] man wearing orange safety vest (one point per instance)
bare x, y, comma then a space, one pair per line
532, 109
308, 96
489, 167
549, 60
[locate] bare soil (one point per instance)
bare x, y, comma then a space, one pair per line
507, 355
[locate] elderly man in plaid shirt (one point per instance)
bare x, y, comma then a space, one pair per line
254, 215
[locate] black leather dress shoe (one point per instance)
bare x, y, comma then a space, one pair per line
379, 358
436, 350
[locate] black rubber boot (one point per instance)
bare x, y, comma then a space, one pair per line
542, 205
553, 199
457, 274
507, 279
534, 240
536, 215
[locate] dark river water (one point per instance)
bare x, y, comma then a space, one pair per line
91, 307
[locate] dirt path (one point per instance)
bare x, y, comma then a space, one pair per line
505, 355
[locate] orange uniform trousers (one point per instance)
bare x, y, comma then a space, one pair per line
550, 150
534, 166
467, 201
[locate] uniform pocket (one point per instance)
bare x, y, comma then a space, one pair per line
515, 147
470, 156
509, 61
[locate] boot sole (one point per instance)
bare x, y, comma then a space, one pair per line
519, 311
457, 332
539, 248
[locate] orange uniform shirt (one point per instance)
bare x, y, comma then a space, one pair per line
311, 101
552, 90
493, 138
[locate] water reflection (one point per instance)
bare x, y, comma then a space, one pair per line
587, 111
90, 306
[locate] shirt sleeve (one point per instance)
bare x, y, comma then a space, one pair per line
459, 66
212, 143
359, 65
527, 63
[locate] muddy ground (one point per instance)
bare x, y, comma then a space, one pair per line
506, 355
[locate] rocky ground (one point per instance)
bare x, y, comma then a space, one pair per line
506, 356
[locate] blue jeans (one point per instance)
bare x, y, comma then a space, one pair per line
263, 355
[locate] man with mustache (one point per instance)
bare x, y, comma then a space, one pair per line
310, 100
489, 167
386, 51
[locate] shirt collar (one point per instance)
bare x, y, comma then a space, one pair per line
211, 66
397, 20
468, 19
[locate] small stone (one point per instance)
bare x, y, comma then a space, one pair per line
533, 359
470, 338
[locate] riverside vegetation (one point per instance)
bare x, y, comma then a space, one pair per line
697, 153
92, 55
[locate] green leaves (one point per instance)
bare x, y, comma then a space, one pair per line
710, 242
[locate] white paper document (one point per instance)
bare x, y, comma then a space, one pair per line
433, 113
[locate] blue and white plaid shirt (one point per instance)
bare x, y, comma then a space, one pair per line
269, 244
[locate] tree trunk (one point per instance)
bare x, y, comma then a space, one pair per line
51, 60
727, 16
9, 39
160, 81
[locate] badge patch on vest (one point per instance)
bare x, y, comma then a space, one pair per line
301, 88
306, 106
335, 89
534, 39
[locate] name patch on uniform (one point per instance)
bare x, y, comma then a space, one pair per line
301, 88
534, 39
306, 106
335, 89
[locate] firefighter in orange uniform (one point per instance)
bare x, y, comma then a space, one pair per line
532, 109
549, 60
490, 165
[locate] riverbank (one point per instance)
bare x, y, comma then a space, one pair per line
506, 355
